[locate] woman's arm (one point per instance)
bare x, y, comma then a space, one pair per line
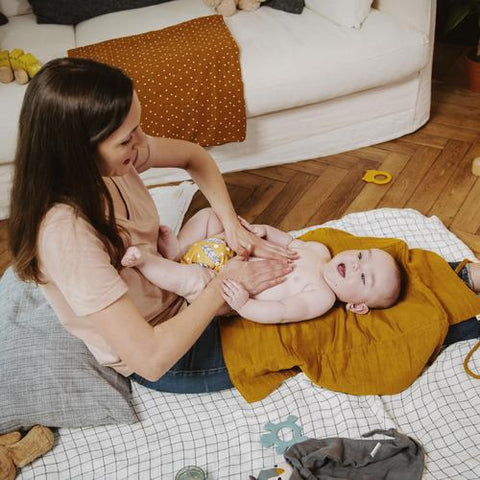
165, 152
151, 351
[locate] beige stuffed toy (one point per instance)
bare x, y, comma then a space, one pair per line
229, 7
16, 451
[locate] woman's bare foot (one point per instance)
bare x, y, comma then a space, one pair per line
132, 257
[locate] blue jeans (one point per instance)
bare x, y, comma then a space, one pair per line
469, 328
201, 369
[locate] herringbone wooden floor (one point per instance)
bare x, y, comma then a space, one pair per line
431, 171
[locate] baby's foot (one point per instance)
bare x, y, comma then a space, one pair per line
132, 257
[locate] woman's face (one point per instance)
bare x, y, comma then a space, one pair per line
117, 152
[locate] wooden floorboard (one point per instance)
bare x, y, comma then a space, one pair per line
431, 171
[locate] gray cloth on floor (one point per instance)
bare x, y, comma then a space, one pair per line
400, 458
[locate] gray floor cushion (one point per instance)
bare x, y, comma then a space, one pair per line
48, 376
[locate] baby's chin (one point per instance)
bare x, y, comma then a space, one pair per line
330, 274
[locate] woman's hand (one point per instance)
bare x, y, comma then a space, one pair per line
258, 230
256, 276
246, 244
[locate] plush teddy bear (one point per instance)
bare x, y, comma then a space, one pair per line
229, 7
16, 451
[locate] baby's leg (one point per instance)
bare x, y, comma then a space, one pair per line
167, 243
202, 225
151, 265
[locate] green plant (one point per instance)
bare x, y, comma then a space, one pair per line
458, 12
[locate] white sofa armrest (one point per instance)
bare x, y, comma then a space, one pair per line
418, 13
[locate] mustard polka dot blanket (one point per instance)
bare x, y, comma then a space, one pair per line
187, 77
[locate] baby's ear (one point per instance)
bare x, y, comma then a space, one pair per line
359, 308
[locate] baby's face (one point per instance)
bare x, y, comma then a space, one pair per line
362, 276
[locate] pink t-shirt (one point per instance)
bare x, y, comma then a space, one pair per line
79, 277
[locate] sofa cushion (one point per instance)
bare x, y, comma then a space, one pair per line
291, 6
47, 375
348, 13
71, 12
295, 60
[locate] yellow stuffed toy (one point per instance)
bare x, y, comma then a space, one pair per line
16, 451
19, 65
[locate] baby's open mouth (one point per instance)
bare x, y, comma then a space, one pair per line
127, 161
341, 269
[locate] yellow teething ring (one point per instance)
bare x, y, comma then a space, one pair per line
371, 177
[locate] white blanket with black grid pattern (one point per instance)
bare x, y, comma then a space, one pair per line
221, 433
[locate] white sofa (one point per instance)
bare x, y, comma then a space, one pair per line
312, 87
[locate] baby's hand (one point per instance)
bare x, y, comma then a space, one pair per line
234, 294
258, 230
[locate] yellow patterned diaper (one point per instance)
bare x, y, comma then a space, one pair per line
212, 253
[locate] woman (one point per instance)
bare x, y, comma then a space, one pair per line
77, 202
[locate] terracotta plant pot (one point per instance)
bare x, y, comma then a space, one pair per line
473, 71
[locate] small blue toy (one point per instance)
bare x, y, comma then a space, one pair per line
272, 438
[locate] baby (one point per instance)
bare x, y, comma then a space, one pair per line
362, 279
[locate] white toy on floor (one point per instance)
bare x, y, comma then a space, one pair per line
281, 471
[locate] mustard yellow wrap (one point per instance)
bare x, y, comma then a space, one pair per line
380, 353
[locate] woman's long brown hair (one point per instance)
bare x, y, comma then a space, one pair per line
70, 107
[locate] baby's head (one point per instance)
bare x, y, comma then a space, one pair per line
364, 279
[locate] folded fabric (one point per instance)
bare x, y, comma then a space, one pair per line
187, 78
380, 353
343, 458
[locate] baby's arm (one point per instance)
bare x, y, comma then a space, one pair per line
303, 306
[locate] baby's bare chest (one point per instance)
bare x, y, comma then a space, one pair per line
307, 273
